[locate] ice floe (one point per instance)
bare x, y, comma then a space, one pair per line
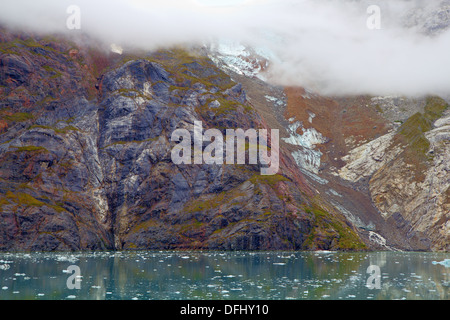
445, 263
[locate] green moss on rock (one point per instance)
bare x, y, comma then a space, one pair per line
18, 117
330, 233
31, 149
411, 134
24, 199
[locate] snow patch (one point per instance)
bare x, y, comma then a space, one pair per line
240, 59
311, 116
306, 157
275, 100
116, 48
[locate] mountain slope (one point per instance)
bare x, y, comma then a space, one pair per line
85, 157
382, 162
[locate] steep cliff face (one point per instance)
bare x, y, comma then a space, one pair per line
412, 184
384, 162
85, 157
407, 175
48, 164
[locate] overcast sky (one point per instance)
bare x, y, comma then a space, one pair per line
322, 44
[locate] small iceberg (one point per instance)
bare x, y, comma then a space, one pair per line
64, 258
445, 263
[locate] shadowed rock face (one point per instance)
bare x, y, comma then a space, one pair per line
85, 158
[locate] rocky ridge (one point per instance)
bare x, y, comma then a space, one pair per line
340, 144
85, 156
85, 161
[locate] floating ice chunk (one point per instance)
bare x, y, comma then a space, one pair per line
5, 261
64, 258
445, 263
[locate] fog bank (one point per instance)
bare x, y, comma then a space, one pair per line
321, 44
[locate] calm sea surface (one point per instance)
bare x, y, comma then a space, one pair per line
225, 275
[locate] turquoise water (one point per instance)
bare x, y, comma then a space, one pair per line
224, 275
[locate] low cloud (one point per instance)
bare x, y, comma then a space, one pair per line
325, 45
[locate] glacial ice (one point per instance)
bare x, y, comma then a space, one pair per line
306, 157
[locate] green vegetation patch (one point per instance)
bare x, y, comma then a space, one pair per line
271, 180
64, 130
14, 47
131, 93
435, 108
203, 204
24, 199
412, 133
18, 117
3, 202
55, 73
144, 226
413, 129
188, 67
57, 207
328, 229
30, 149
213, 201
